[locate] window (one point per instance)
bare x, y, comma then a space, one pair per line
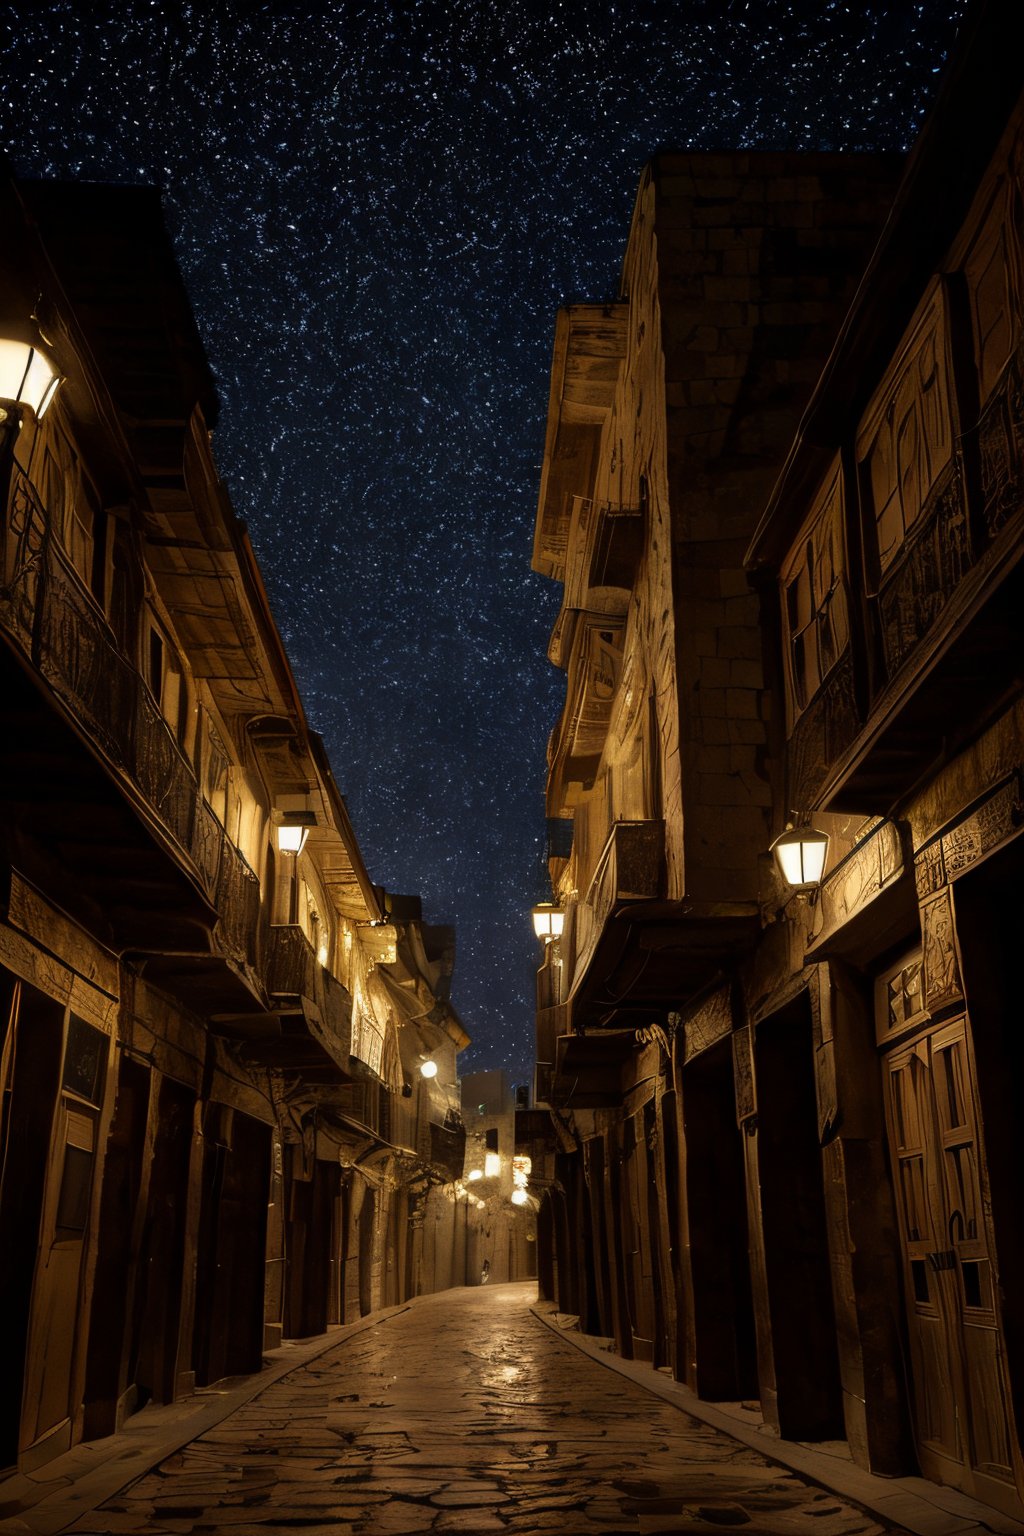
988, 285
814, 596
80, 519
905, 439
85, 1061
214, 769
166, 680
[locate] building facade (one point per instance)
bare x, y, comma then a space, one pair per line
789, 532
502, 1214
216, 1130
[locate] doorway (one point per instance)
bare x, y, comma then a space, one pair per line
231, 1268
52, 1371
105, 1383
28, 1093
960, 1393
798, 1276
724, 1364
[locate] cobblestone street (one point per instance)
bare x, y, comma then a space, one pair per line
465, 1413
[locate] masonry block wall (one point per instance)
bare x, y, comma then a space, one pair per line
755, 258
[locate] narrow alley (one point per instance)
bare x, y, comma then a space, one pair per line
472, 1417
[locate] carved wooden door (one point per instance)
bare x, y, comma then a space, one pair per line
959, 1387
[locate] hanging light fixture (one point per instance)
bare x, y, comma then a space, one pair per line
548, 921
27, 376
293, 829
800, 854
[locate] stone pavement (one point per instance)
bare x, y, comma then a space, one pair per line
463, 1413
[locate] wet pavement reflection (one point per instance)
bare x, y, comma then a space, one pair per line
464, 1413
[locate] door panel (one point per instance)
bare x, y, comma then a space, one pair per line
55, 1313
959, 1379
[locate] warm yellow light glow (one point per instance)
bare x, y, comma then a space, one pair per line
492, 1165
291, 839
474, 1174
428, 1068
548, 921
800, 854
321, 954
519, 1197
27, 376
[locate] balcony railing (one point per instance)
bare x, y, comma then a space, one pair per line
53, 619
631, 868
293, 970
551, 1022
447, 1150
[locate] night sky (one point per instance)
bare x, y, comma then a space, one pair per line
377, 209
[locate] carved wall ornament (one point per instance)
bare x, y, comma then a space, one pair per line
743, 1074
929, 870
819, 997
991, 823
865, 872
899, 995
710, 1023
942, 984
1001, 443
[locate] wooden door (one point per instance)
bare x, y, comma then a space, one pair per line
55, 1305
959, 1386
29, 1084
54, 1332
120, 1219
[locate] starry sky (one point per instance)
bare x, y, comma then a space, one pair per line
377, 208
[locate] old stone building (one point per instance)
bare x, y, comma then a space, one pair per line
217, 1130
502, 1212
790, 548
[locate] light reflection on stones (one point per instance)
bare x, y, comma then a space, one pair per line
487, 1423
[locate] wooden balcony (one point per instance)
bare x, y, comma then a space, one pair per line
868, 903
536, 1139
309, 1029
105, 802
550, 1023
636, 952
592, 1071
447, 1150
943, 640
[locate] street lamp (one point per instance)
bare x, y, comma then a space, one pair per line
428, 1068
548, 921
293, 829
800, 854
27, 377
